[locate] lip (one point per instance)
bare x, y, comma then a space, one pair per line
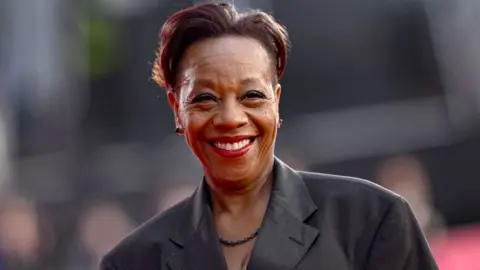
232, 153
232, 139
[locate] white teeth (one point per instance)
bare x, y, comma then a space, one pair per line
232, 146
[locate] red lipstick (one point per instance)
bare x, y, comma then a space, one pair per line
232, 147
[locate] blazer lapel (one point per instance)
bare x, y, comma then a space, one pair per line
284, 237
199, 248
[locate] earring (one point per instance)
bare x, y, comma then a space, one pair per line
179, 131
279, 124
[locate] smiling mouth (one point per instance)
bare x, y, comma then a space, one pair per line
233, 146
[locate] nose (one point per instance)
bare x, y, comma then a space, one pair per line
230, 115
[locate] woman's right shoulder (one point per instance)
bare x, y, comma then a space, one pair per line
146, 242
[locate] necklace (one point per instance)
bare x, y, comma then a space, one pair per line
232, 243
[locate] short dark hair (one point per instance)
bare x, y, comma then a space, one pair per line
210, 20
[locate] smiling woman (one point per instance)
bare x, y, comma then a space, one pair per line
227, 108
221, 69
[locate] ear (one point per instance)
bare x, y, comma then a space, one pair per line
173, 101
278, 93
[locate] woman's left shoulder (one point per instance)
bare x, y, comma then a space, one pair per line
346, 189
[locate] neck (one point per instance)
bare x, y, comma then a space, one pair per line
237, 200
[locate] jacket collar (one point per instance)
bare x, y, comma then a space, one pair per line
283, 228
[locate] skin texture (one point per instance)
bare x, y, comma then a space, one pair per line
227, 89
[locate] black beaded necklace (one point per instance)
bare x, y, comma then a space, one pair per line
232, 243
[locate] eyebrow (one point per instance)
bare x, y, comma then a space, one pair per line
211, 84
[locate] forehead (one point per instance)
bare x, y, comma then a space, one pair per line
226, 61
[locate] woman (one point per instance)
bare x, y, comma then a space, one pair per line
221, 70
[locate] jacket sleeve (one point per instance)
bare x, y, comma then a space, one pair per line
399, 243
106, 265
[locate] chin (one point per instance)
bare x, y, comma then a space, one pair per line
232, 174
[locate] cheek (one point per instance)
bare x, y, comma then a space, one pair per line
266, 119
270, 116
194, 123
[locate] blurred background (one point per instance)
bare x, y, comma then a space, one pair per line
381, 89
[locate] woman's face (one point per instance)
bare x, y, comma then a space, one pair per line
228, 107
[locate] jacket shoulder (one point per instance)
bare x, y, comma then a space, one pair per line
338, 185
146, 244
355, 197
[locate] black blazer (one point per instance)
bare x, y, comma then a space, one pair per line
313, 221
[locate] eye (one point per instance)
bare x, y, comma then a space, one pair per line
203, 97
253, 94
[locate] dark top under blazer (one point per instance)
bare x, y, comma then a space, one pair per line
313, 221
